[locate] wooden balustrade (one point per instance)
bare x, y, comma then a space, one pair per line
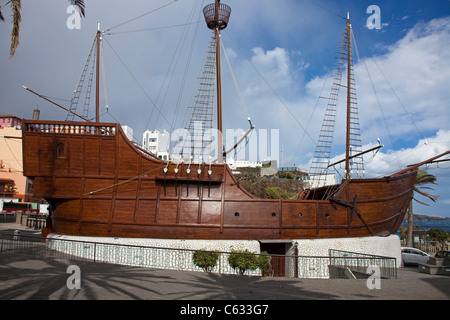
76, 128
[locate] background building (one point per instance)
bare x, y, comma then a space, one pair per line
10, 121
243, 163
157, 143
128, 132
13, 185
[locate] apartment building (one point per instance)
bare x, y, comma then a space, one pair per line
13, 185
157, 142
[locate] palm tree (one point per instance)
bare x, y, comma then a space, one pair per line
17, 18
422, 179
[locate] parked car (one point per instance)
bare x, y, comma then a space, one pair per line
442, 254
414, 256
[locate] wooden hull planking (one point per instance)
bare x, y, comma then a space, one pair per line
99, 184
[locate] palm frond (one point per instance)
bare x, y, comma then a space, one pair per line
430, 196
422, 188
80, 6
424, 203
17, 18
422, 178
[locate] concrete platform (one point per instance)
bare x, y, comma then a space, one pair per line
25, 277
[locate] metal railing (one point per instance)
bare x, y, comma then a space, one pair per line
339, 264
358, 264
427, 245
25, 218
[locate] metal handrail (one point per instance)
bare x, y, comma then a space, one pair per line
181, 259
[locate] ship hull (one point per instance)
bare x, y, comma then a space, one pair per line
99, 184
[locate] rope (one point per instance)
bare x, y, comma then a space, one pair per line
273, 90
139, 85
121, 183
142, 15
326, 9
14, 156
104, 76
235, 82
365, 85
155, 28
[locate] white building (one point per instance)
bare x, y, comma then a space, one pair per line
234, 164
128, 132
157, 143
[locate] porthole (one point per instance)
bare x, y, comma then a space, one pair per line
274, 214
300, 214
61, 151
236, 214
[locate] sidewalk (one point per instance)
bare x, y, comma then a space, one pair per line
10, 227
32, 277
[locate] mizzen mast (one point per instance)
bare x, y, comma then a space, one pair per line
217, 16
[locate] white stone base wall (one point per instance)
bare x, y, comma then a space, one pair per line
177, 254
318, 268
169, 254
378, 246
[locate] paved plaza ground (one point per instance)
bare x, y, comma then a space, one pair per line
27, 276
31, 277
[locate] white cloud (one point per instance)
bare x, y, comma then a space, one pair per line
411, 82
410, 109
415, 67
388, 161
273, 65
275, 61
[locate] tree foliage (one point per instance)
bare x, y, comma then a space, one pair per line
206, 260
16, 8
243, 260
439, 236
422, 179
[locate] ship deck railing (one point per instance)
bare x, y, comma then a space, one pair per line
59, 127
338, 264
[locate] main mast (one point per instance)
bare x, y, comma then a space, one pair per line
217, 16
349, 93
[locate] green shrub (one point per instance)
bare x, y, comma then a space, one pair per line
439, 236
272, 192
285, 175
242, 261
206, 260
264, 262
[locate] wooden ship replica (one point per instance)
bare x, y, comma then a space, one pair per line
98, 183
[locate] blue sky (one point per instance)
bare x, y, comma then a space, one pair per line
290, 42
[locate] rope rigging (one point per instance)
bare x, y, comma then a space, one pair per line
142, 15
110, 31
164, 90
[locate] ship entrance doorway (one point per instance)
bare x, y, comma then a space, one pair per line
280, 263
